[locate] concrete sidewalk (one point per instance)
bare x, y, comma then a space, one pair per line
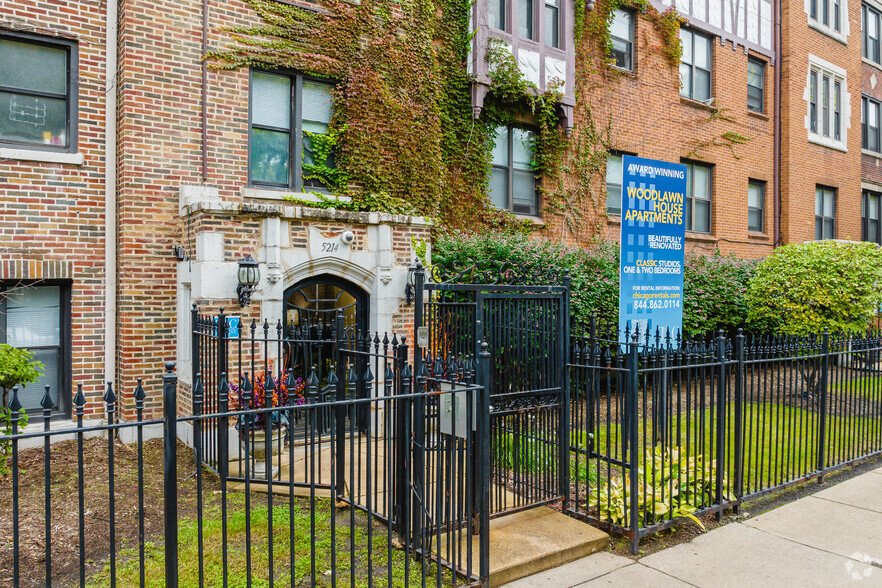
831, 538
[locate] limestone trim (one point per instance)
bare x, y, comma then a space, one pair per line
42, 156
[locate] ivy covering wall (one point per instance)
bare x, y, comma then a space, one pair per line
403, 134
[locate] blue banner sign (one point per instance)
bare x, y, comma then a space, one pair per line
653, 246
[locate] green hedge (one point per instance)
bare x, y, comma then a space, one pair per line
714, 286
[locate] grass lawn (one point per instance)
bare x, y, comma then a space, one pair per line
333, 555
780, 442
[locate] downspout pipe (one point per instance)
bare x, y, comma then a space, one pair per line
110, 184
204, 91
777, 127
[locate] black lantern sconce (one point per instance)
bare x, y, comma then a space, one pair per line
410, 288
249, 276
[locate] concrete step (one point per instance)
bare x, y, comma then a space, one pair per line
532, 541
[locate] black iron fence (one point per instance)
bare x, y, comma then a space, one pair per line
316, 494
664, 428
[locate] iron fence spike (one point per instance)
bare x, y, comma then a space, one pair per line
109, 396
46, 402
140, 395
15, 403
80, 398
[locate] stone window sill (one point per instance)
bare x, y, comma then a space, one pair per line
827, 142
704, 105
757, 236
829, 31
759, 115
280, 195
41, 156
690, 236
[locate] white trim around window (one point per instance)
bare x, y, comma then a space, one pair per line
821, 15
828, 104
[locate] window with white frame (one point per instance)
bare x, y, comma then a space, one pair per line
498, 14
870, 28
695, 65
698, 197
870, 136
871, 217
825, 213
621, 36
828, 16
827, 105
756, 196
614, 183
513, 181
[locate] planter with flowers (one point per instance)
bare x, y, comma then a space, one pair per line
253, 428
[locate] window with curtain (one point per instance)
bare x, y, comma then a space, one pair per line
621, 34
870, 136
870, 28
614, 183
825, 213
756, 196
756, 85
31, 317
871, 217
513, 180
290, 115
698, 198
695, 65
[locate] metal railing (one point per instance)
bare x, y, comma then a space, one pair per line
664, 428
390, 502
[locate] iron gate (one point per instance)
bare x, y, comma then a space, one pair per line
525, 329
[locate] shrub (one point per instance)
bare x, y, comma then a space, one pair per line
17, 368
714, 286
803, 288
714, 292
594, 273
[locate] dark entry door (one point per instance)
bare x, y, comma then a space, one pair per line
310, 308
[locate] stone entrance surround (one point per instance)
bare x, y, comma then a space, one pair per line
291, 243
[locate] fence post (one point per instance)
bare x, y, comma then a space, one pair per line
340, 409
739, 419
221, 365
633, 454
194, 343
565, 437
721, 420
223, 430
822, 434
170, 471
483, 470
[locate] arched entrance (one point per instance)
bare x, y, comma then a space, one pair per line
310, 309
311, 306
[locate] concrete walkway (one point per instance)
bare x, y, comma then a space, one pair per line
831, 538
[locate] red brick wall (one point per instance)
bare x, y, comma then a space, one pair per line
51, 214
644, 115
806, 165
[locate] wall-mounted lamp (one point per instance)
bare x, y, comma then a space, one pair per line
249, 276
410, 289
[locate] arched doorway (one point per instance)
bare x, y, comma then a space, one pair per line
310, 309
312, 305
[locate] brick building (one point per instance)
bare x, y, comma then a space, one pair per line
124, 201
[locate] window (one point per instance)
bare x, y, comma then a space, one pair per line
756, 85
695, 66
870, 139
552, 23
825, 104
513, 181
614, 184
825, 213
698, 198
525, 19
827, 13
871, 217
756, 196
498, 16
621, 33
870, 28
37, 92
36, 317
289, 122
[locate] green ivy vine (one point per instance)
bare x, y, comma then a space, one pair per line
667, 23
